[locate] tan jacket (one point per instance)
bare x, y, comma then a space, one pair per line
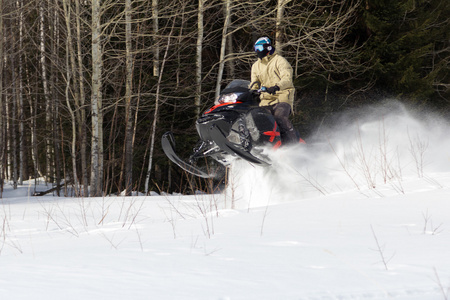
274, 70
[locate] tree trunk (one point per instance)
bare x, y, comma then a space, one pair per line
2, 138
227, 12
82, 122
34, 142
156, 114
155, 14
55, 99
48, 117
279, 28
73, 147
96, 103
230, 64
198, 75
14, 97
22, 157
128, 147
71, 75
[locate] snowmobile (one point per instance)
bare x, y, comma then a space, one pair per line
235, 127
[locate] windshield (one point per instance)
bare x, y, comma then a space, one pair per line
236, 86
238, 83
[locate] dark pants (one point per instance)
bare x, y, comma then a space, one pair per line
281, 112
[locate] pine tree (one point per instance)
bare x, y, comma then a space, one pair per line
408, 41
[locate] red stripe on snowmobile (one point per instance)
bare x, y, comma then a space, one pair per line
219, 105
277, 145
272, 133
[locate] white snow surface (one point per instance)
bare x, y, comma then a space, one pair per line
360, 212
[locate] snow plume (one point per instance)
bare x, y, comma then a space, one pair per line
362, 149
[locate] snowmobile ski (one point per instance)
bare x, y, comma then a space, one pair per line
168, 145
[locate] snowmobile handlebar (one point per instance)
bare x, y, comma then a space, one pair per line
262, 89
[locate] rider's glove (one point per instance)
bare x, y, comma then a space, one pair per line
273, 89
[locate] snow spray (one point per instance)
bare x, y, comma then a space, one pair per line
361, 149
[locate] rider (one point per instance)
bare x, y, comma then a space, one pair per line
274, 72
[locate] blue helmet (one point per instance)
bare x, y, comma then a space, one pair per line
263, 46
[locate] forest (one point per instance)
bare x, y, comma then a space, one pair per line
89, 86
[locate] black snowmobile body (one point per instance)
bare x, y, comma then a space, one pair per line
235, 127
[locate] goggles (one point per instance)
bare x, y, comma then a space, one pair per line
259, 48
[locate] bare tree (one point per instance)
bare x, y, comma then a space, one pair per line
96, 102
227, 13
155, 21
128, 147
281, 4
2, 138
81, 107
54, 15
315, 38
71, 75
157, 107
22, 149
13, 120
199, 57
45, 84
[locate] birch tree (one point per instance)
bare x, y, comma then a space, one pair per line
96, 102
71, 76
44, 78
22, 149
2, 138
155, 47
199, 48
227, 13
128, 147
279, 27
54, 79
82, 107
13, 120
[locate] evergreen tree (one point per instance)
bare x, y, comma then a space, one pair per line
409, 42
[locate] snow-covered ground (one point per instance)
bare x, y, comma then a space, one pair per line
363, 212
